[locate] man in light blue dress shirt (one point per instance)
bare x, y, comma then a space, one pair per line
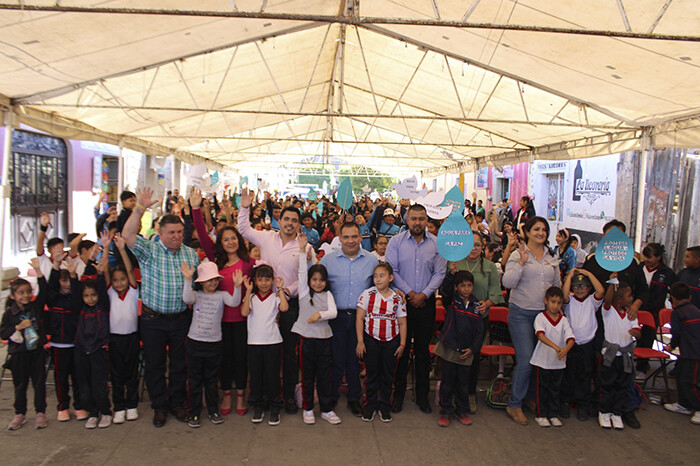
418, 271
350, 272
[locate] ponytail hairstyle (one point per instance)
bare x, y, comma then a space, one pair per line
569, 238
497, 251
14, 286
655, 250
261, 271
317, 269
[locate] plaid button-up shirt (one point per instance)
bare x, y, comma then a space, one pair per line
161, 280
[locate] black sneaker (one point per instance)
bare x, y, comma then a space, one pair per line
368, 415
194, 422
565, 410
216, 418
355, 408
424, 406
397, 406
258, 415
631, 421
290, 406
582, 414
385, 416
274, 417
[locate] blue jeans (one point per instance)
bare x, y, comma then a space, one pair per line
522, 331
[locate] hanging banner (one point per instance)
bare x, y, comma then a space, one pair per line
615, 252
455, 239
482, 178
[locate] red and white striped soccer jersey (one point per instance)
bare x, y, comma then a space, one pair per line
382, 314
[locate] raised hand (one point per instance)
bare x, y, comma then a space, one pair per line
34, 263
237, 278
524, 253
302, 240
76, 241
280, 283
187, 271
45, 219
119, 242
71, 265
112, 214
246, 198
94, 251
58, 259
247, 283
453, 268
195, 198
105, 240
144, 197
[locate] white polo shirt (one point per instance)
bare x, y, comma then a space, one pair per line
559, 332
262, 320
617, 326
123, 311
581, 316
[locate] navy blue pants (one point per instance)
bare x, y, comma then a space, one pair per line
380, 366
315, 360
345, 362
455, 383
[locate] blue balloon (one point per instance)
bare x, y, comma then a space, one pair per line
454, 198
344, 194
455, 239
615, 252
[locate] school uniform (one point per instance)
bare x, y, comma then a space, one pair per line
381, 338
203, 346
616, 370
124, 347
91, 340
264, 351
462, 329
685, 330
549, 369
61, 318
315, 355
657, 281
691, 277
26, 363
580, 360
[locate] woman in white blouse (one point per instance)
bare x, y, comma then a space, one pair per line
530, 270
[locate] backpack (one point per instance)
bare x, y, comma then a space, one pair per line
498, 393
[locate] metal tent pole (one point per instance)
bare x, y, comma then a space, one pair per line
5, 188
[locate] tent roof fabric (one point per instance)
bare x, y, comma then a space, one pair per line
399, 85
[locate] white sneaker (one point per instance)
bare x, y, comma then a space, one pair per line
677, 408
617, 422
604, 420
309, 417
331, 417
555, 422
542, 421
91, 423
132, 414
696, 418
119, 417
105, 421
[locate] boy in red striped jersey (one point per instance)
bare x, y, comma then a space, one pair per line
380, 319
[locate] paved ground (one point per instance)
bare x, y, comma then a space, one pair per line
412, 438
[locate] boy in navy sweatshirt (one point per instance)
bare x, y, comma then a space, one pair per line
459, 340
685, 330
690, 275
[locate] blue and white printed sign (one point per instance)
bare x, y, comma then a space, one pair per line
455, 199
455, 239
615, 252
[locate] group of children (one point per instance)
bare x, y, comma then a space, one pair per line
89, 312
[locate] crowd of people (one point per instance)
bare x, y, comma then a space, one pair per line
291, 302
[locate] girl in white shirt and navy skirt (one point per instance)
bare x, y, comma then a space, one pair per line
261, 306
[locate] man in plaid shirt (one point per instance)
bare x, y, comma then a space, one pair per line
165, 319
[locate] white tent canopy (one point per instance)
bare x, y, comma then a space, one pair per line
395, 85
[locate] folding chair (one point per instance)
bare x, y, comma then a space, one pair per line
646, 319
498, 314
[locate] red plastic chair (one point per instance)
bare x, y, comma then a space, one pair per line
665, 321
498, 314
646, 319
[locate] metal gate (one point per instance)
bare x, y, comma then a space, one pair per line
38, 175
